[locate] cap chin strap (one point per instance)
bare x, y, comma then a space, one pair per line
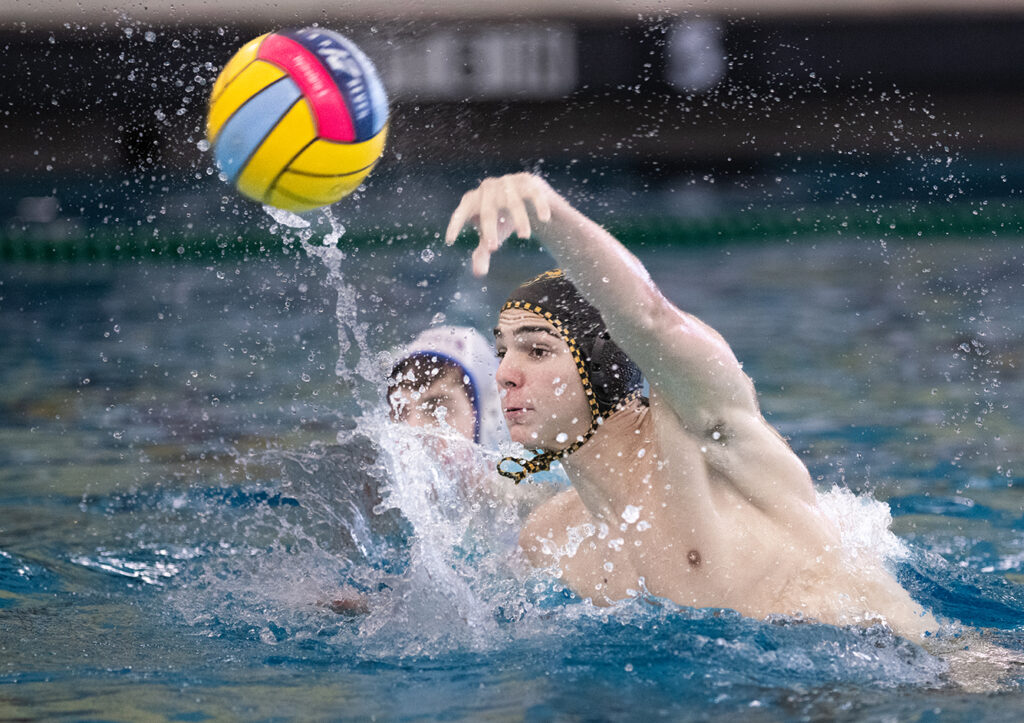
542, 461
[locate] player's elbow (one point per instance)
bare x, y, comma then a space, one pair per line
651, 313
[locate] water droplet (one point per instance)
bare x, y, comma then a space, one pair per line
427, 255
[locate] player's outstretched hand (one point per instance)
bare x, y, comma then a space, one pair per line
497, 208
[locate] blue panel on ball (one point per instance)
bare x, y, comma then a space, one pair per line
251, 124
354, 73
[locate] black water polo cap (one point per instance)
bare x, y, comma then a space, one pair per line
608, 375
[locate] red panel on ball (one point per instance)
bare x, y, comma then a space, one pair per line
333, 120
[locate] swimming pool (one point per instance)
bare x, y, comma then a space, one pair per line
189, 469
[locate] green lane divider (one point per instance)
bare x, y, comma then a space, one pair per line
128, 246
989, 219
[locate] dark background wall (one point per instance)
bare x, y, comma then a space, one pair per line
107, 116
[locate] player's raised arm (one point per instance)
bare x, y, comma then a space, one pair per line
686, 361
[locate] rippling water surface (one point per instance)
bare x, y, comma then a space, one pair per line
193, 467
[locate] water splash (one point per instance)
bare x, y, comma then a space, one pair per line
864, 525
286, 218
354, 366
150, 566
409, 524
456, 566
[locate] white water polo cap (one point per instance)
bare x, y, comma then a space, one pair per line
474, 354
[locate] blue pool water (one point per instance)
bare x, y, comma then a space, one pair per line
192, 467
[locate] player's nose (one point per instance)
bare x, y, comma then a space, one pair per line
509, 374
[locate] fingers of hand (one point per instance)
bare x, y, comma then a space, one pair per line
540, 202
499, 207
462, 213
481, 260
516, 208
490, 207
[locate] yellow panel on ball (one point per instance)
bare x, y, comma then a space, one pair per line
300, 192
245, 55
257, 76
327, 158
291, 134
280, 199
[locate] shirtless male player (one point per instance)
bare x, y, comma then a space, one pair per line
691, 495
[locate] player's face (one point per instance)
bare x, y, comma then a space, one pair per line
443, 401
542, 395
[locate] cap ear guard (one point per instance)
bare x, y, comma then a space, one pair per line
613, 375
